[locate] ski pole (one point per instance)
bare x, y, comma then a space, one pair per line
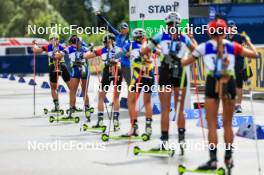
255, 132
99, 80
114, 96
198, 100
34, 86
134, 112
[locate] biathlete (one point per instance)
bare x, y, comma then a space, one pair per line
239, 64
79, 75
142, 80
107, 53
219, 57
173, 46
57, 66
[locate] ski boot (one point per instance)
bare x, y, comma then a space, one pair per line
229, 163
116, 121
162, 146
210, 165
88, 111
100, 122
181, 139
71, 110
148, 127
238, 109
56, 108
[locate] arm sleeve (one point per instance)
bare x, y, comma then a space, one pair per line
237, 48
188, 41
110, 27
199, 51
98, 52
157, 38
45, 48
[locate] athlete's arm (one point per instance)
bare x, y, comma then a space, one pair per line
249, 52
189, 60
110, 27
93, 54
37, 49
146, 48
190, 43
197, 52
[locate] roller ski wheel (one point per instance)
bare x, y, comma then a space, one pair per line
51, 119
84, 127
136, 150
145, 137
221, 171
61, 111
45, 111
105, 137
181, 169
167, 153
76, 119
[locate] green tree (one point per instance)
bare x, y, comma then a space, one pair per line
76, 12
115, 10
22, 13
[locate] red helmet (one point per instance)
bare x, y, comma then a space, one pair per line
217, 27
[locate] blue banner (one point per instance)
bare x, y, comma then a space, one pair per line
23, 64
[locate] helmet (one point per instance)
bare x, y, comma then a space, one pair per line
53, 35
173, 17
108, 37
123, 25
138, 33
217, 27
74, 40
231, 23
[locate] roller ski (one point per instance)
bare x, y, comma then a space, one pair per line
68, 118
155, 152
134, 135
88, 112
53, 111
143, 137
85, 127
182, 169
74, 110
64, 119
